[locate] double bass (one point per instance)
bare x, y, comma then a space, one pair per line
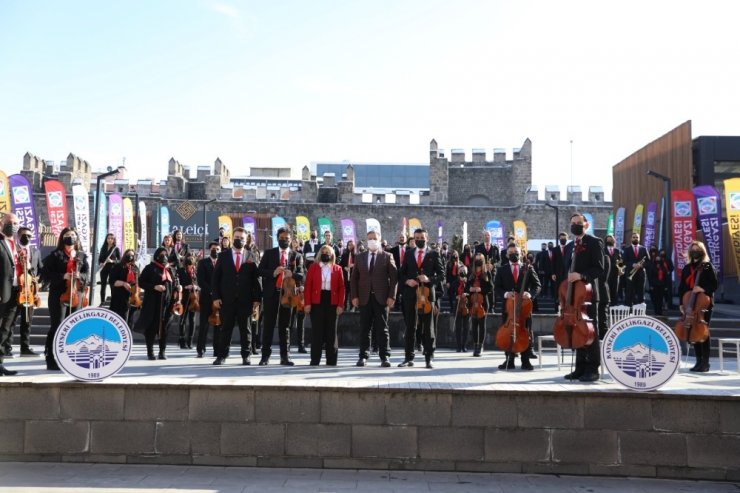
573, 328
512, 335
692, 327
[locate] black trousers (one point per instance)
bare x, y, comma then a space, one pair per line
547, 284
636, 289
300, 332
656, 296
702, 349
235, 312
478, 326
188, 317
588, 359
462, 326
324, 330
57, 313
374, 319
603, 318
412, 319
7, 318
203, 325
104, 273
275, 315
25, 328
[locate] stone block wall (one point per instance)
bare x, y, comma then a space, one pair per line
597, 433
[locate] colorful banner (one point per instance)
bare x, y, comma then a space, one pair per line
709, 216
610, 224
372, 224
661, 234
414, 224
250, 225
440, 226
56, 206
102, 203
619, 229
226, 223
325, 225
277, 223
404, 227
590, 219
82, 215
732, 205
129, 231
302, 228
496, 228
21, 199
115, 217
164, 222
520, 234
684, 224
465, 233
637, 220
142, 224
651, 217
348, 231
4, 193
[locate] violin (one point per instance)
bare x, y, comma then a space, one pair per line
477, 302
28, 286
215, 317
573, 328
73, 297
177, 308
290, 295
512, 335
462, 305
692, 327
135, 299
193, 298
423, 305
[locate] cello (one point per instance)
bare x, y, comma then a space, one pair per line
512, 335
692, 327
573, 328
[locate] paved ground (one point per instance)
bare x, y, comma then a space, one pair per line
79, 478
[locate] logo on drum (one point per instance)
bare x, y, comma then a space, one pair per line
707, 205
92, 344
682, 208
641, 353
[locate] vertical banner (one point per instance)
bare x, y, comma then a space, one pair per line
496, 228
404, 227
102, 203
637, 222
520, 234
619, 229
590, 218
142, 258
709, 215
348, 231
302, 228
21, 198
277, 223
684, 224
465, 233
650, 217
440, 236
226, 223
129, 231
661, 235
164, 222
610, 224
732, 205
325, 225
115, 217
82, 215
372, 224
414, 224
250, 225
56, 206
4, 193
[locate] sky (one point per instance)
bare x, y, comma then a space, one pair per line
285, 83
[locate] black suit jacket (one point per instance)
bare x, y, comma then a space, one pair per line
542, 262
55, 266
559, 263
504, 281
177, 259
431, 266
7, 268
613, 258
204, 275
589, 262
270, 261
628, 254
231, 286
492, 254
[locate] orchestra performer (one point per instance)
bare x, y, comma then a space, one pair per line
123, 280
635, 255
157, 280
615, 260
108, 256
8, 284
204, 277
324, 302
479, 281
186, 277
179, 250
32, 255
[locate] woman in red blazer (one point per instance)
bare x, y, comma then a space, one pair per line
324, 301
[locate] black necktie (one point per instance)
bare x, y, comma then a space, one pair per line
372, 262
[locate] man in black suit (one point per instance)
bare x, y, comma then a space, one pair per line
236, 291
399, 255
204, 276
635, 256
492, 257
33, 263
277, 264
543, 266
8, 282
615, 260
311, 248
421, 265
588, 268
337, 250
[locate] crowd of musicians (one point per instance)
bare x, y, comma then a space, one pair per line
232, 283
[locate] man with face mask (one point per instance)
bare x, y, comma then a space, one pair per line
668, 295
8, 283
311, 248
277, 264
187, 278
635, 256
204, 276
399, 255
614, 256
33, 263
543, 266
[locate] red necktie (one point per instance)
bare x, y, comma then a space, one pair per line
454, 269
279, 282
550, 255
419, 258
403, 252
562, 251
238, 263
515, 271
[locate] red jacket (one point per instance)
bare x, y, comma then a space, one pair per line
312, 286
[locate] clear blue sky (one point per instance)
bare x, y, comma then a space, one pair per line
289, 82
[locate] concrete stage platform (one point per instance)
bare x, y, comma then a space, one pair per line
464, 415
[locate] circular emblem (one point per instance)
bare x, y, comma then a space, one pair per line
92, 344
641, 353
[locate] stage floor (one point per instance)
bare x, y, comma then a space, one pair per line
453, 371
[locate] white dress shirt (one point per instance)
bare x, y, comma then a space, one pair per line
325, 276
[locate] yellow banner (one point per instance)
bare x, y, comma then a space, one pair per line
129, 233
225, 222
732, 205
520, 234
414, 224
303, 228
637, 221
4, 193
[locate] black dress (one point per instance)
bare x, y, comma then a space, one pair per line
707, 281
119, 299
105, 253
154, 304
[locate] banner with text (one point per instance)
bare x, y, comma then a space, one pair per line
115, 217
82, 215
277, 223
102, 203
325, 225
684, 224
250, 225
129, 230
414, 224
4, 193
142, 224
709, 215
348, 231
496, 228
619, 228
650, 217
56, 206
732, 205
637, 221
302, 228
610, 224
372, 224
21, 198
225, 223
520, 234
164, 223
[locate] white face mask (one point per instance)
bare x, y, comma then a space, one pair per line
372, 245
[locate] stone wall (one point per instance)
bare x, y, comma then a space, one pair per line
596, 433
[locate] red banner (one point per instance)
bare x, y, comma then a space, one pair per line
684, 224
56, 206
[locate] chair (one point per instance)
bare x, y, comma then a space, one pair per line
639, 310
617, 313
730, 341
557, 349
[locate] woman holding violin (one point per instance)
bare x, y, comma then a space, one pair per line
109, 255
67, 270
477, 288
696, 292
157, 281
28, 291
191, 303
460, 304
123, 283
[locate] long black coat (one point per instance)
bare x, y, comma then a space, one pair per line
155, 303
55, 266
119, 298
589, 262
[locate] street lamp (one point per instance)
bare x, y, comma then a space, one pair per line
557, 218
204, 224
111, 172
666, 219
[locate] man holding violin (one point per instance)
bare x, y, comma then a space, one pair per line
31, 255
8, 283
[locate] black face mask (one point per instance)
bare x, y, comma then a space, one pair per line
610, 243
635, 242
25, 240
696, 255
162, 259
10, 230
129, 258
238, 243
188, 261
544, 249
454, 258
325, 257
281, 243
576, 229
514, 257
479, 263
69, 240
563, 241
421, 243
214, 254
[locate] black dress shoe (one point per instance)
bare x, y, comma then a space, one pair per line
589, 377
28, 352
199, 355
429, 363
408, 363
218, 361
695, 367
531, 354
287, 362
264, 361
52, 365
507, 365
161, 355
246, 360
302, 349
5, 372
526, 365
362, 362
703, 368
385, 363
574, 376
150, 356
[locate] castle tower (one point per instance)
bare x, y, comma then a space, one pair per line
439, 176
522, 172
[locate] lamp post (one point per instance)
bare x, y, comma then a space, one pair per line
666, 219
111, 172
557, 218
204, 224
